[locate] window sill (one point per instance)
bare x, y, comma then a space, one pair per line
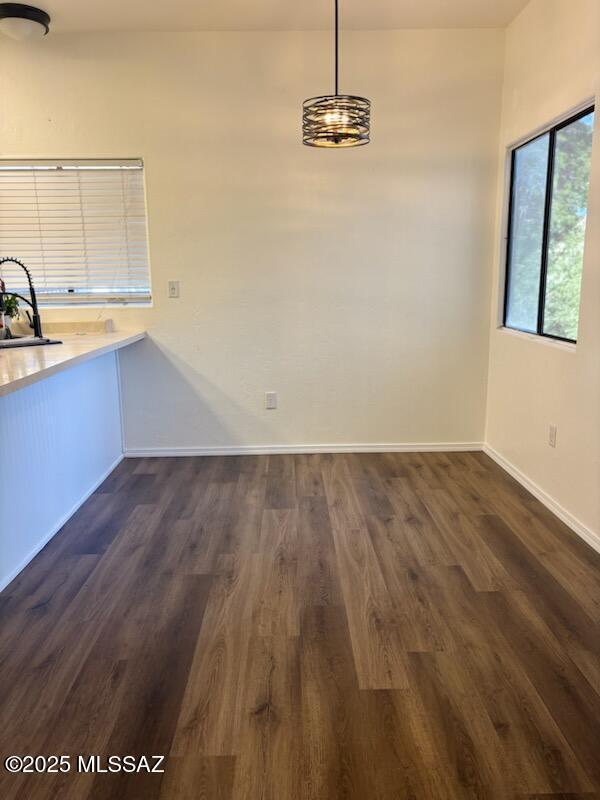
569, 347
79, 306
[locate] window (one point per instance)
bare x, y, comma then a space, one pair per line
81, 228
550, 178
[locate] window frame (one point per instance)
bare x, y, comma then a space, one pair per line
551, 132
92, 300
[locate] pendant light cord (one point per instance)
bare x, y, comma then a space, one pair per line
337, 36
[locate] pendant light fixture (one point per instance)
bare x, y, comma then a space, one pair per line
337, 120
23, 22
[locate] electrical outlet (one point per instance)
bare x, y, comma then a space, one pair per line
552, 435
270, 400
173, 289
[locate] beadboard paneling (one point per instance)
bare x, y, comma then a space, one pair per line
59, 438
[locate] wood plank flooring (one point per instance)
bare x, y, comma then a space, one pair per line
310, 627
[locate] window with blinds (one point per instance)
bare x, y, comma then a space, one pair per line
80, 226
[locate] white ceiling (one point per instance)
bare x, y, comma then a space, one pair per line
197, 15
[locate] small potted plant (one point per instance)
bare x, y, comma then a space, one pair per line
9, 310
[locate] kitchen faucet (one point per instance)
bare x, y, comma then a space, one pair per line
36, 322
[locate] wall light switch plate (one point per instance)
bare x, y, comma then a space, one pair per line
173, 289
270, 400
552, 435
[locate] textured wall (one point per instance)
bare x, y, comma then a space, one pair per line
354, 283
552, 64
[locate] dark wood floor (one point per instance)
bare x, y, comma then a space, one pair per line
308, 627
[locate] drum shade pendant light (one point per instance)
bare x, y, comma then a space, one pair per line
23, 22
336, 120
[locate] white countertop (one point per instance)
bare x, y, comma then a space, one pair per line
22, 366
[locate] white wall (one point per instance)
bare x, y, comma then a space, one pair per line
60, 437
354, 283
552, 64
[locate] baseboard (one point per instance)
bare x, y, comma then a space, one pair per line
591, 537
4, 582
282, 449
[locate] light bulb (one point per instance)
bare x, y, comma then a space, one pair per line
336, 118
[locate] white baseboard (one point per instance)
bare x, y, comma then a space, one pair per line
4, 582
282, 449
591, 537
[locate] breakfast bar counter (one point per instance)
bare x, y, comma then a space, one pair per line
22, 366
61, 431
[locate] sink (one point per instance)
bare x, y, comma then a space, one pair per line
26, 341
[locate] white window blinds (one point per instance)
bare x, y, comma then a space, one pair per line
80, 226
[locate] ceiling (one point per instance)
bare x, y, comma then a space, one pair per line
197, 15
